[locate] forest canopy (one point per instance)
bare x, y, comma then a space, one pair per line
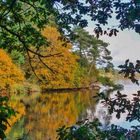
22, 20
58, 70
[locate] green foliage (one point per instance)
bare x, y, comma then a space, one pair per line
17, 57
118, 105
19, 22
94, 131
105, 81
80, 75
83, 62
91, 50
5, 113
22, 20
130, 70
79, 132
109, 68
122, 104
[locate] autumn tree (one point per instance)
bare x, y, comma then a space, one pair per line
59, 69
10, 74
22, 20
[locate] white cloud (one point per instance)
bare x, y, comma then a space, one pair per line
125, 45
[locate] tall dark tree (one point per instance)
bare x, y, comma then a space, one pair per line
91, 50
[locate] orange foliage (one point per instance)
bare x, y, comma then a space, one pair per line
63, 65
51, 111
10, 74
20, 109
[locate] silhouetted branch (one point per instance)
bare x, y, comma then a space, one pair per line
46, 65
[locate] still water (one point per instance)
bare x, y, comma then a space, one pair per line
45, 113
101, 110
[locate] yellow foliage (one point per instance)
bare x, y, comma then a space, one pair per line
10, 74
51, 111
19, 108
63, 65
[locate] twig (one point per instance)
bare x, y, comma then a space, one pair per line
46, 65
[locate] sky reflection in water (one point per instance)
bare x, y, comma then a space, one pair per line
129, 89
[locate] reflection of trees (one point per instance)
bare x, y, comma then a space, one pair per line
20, 111
104, 117
51, 111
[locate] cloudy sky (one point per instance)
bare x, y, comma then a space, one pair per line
125, 45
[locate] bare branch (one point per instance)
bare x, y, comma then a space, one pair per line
49, 55
24, 43
22, 40
30, 63
46, 65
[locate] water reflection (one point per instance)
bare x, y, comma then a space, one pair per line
105, 118
47, 112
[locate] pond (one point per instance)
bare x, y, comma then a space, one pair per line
46, 112
101, 110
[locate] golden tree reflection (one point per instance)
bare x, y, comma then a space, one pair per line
50, 111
